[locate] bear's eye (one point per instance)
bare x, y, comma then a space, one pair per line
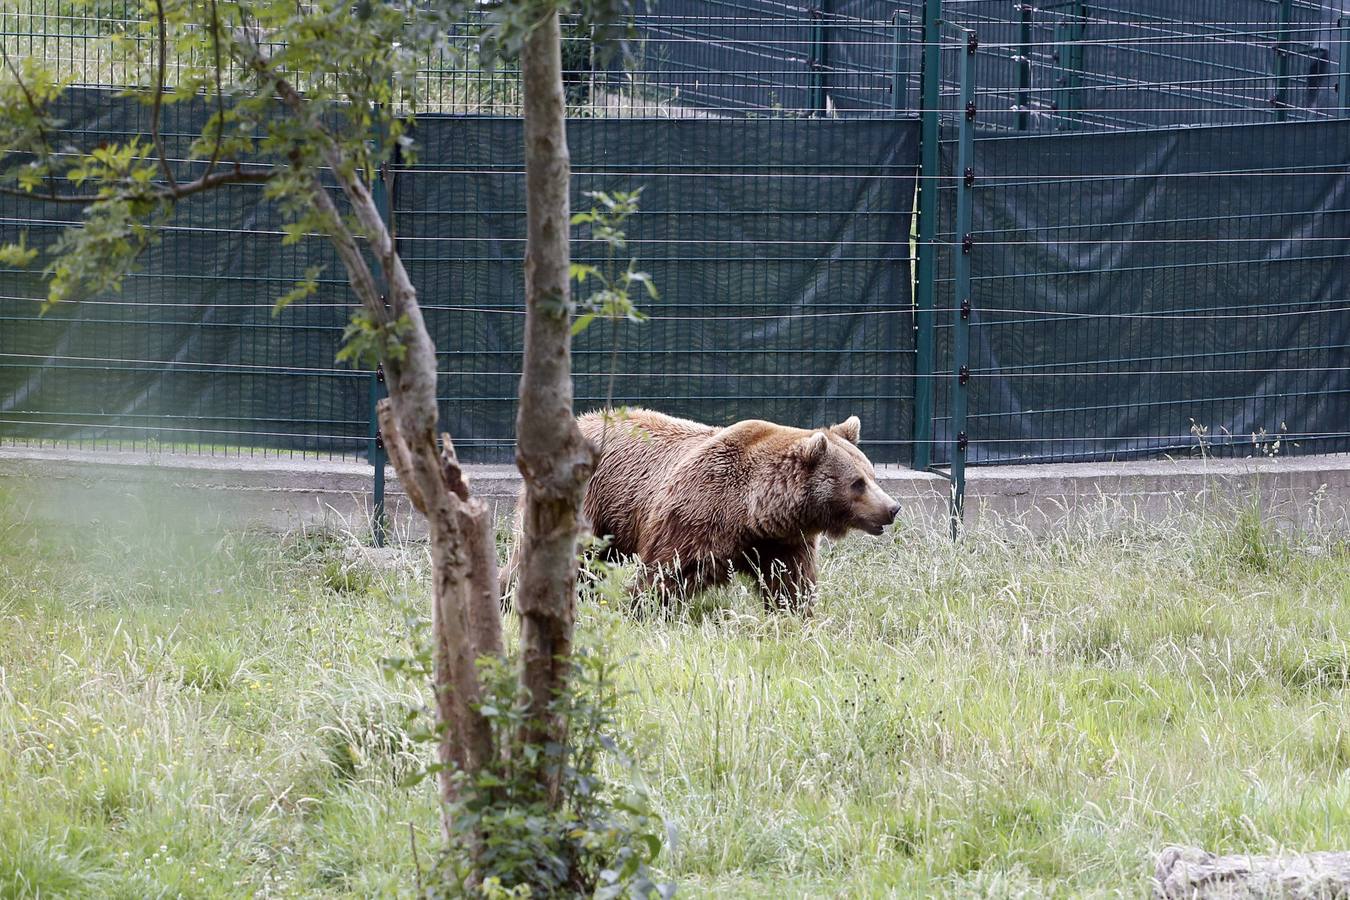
859, 485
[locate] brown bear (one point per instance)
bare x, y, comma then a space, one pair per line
698, 504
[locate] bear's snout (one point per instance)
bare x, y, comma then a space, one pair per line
878, 514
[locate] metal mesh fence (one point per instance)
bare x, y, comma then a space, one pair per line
1127, 288
1112, 295
1125, 279
188, 355
1075, 65
780, 249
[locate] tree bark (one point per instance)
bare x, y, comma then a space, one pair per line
1195, 874
554, 458
466, 621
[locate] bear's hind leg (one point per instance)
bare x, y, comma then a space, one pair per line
675, 583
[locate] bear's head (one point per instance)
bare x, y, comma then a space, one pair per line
842, 489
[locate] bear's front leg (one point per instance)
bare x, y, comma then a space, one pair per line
784, 573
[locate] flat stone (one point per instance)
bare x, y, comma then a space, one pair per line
1195, 874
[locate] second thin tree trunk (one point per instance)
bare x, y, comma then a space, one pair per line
555, 460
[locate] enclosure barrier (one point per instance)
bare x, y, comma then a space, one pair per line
969, 222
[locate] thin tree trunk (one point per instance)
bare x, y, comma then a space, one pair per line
555, 460
464, 583
466, 621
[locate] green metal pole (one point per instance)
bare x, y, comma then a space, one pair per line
377, 457
897, 64
965, 182
1281, 98
1343, 82
380, 194
1069, 61
816, 61
926, 251
1024, 68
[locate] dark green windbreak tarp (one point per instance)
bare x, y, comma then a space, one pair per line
1126, 286
189, 351
780, 250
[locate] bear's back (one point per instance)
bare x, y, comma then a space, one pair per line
638, 450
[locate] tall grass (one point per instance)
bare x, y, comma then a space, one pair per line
185, 712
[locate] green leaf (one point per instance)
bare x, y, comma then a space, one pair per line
582, 323
579, 272
17, 256
304, 288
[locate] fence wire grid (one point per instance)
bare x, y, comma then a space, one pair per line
1156, 257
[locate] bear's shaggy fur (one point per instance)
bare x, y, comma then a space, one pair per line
698, 504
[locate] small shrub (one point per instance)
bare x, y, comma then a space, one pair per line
602, 835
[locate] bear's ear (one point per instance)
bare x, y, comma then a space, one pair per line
849, 429
812, 449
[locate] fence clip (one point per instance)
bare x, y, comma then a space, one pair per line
963, 375
972, 42
379, 374
967, 243
962, 442
970, 177
379, 440
965, 308
970, 110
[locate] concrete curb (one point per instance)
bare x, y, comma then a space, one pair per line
286, 493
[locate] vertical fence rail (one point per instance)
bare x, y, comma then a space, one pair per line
377, 458
1343, 82
1069, 63
1025, 11
898, 82
926, 251
1282, 50
816, 62
384, 203
965, 181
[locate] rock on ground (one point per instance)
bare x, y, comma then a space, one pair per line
1194, 874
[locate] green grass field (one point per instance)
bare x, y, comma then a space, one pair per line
205, 715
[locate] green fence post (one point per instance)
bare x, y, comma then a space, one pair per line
380, 194
816, 59
925, 250
1343, 82
377, 457
1069, 62
965, 182
897, 64
1024, 68
1281, 98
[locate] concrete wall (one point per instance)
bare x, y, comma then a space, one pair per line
284, 493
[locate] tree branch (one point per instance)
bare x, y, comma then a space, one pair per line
196, 186
363, 280
44, 143
399, 454
220, 97
49, 198
162, 35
